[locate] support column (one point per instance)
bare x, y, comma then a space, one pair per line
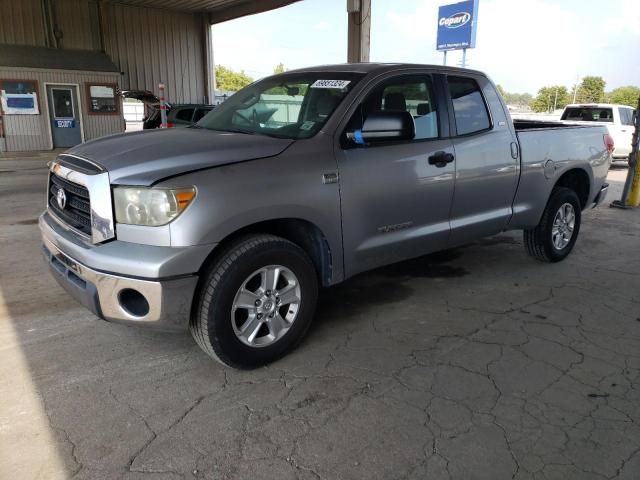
359, 30
209, 66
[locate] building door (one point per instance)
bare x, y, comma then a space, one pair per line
64, 111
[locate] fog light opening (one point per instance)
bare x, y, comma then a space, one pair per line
133, 302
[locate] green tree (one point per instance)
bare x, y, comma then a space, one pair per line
515, 99
279, 68
229, 80
591, 90
548, 98
628, 95
523, 99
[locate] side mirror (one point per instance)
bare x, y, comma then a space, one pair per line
384, 126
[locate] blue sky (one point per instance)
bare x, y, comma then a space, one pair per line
521, 44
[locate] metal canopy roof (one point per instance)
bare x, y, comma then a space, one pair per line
24, 56
218, 10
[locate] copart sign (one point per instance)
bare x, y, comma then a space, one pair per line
457, 25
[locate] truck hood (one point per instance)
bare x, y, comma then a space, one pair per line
144, 158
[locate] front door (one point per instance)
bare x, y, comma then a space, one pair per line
395, 201
64, 112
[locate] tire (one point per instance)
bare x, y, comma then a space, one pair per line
539, 241
217, 322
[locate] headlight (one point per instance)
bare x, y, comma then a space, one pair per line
150, 206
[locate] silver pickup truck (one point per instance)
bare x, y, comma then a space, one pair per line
300, 181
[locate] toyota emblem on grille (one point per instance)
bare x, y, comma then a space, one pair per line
61, 198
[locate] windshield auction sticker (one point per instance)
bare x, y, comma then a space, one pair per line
337, 84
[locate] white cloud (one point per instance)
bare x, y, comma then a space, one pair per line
322, 26
522, 44
626, 19
418, 25
538, 43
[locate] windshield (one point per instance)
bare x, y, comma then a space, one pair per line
291, 106
588, 114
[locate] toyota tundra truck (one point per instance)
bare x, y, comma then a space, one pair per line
300, 181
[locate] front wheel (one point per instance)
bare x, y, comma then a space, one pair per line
256, 302
556, 234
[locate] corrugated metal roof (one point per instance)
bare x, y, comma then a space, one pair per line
218, 10
55, 58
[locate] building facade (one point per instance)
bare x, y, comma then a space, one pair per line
63, 62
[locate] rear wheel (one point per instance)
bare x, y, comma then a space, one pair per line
556, 234
255, 302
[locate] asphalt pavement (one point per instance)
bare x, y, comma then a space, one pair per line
474, 363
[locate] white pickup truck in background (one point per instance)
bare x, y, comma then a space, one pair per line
617, 118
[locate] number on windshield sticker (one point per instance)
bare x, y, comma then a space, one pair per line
336, 84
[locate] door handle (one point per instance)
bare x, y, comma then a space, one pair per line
440, 159
514, 150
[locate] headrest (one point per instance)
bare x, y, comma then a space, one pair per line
424, 108
395, 101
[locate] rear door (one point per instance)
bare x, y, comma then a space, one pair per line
395, 203
487, 163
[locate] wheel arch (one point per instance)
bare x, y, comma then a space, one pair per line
578, 180
303, 233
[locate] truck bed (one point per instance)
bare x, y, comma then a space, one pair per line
520, 125
547, 149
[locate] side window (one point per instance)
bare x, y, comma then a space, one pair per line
468, 105
185, 114
413, 94
626, 116
200, 112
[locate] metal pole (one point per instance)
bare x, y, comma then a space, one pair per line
444, 58
3, 144
555, 101
163, 107
358, 32
464, 58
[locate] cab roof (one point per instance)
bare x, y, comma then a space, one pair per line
379, 68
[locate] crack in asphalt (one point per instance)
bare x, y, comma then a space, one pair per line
465, 383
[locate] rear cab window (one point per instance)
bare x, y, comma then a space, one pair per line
184, 114
469, 108
588, 114
200, 112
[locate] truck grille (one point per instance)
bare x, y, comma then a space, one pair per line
77, 208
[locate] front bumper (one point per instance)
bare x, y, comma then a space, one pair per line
167, 300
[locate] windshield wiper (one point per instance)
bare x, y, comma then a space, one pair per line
232, 130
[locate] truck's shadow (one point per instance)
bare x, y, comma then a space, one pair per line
384, 285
